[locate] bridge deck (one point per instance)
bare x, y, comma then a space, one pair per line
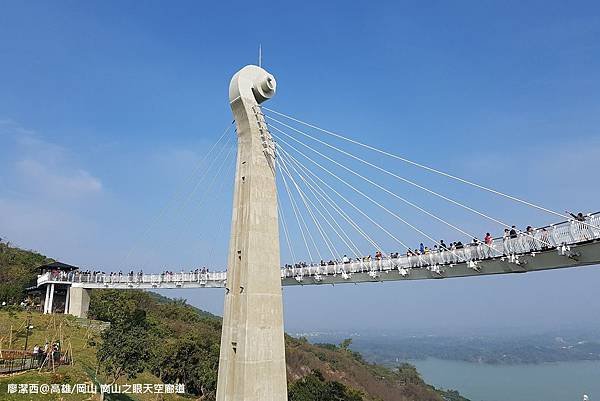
567, 244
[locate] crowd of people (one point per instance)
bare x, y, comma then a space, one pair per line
512, 242
131, 276
50, 351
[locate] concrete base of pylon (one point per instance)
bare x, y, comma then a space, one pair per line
79, 301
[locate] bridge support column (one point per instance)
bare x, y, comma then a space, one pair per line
79, 301
252, 360
47, 299
50, 298
67, 299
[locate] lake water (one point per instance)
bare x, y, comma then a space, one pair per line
562, 381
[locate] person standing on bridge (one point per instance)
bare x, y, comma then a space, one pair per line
531, 238
412, 257
443, 248
579, 216
489, 243
505, 242
419, 257
512, 241
459, 249
473, 253
544, 239
581, 233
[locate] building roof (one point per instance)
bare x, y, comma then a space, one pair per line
58, 266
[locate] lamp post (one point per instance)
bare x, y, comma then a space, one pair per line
27, 328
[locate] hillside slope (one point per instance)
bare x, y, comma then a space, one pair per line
18, 270
82, 336
183, 346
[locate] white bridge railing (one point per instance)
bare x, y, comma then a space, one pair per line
557, 236
150, 280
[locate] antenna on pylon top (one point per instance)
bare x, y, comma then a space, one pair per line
260, 55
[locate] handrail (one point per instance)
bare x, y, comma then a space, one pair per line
32, 361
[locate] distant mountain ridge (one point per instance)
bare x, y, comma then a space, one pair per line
502, 349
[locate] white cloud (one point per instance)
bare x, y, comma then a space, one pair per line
45, 168
39, 177
45, 195
29, 223
14, 130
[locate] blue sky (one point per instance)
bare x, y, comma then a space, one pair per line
107, 109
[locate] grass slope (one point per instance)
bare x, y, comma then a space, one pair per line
84, 337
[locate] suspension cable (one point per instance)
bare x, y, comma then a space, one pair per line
218, 157
175, 197
285, 230
293, 203
395, 176
357, 190
351, 186
302, 194
222, 223
208, 190
425, 167
377, 185
343, 236
325, 196
397, 196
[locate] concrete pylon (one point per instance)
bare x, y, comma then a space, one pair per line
252, 361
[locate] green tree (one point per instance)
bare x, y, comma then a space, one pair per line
408, 374
128, 346
193, 360
116, 306
18, 270
346, 344
314, 387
